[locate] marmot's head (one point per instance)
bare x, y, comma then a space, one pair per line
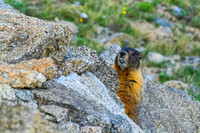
128, 59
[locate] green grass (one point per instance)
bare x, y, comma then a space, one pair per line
182, 45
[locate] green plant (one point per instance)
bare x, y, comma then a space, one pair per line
17, 5
177, 45
145, 6
195, 21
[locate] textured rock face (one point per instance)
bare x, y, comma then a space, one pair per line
55, 113
88, 102
109, 55
82, 59
29, 74
168, 110
79, 60
90, 129
21, 119
44, 66
24, 38
72, 26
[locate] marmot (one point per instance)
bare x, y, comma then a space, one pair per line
128, 66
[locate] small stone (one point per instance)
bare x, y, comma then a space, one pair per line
156, 57
169, 71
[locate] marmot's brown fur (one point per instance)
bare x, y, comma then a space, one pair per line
128, 67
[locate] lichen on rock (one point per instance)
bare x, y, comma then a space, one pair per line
24, 38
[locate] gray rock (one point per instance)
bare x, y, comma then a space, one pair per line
22, 119
109, 55
90, 129
96, 107
7, 93
22, 97
5, 6
25, 38
70, 127
155, 57
168, 110
163, 22
79, 60
109, 123
82, 59
54, 113
72, 26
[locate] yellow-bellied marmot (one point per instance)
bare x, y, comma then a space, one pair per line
128, 67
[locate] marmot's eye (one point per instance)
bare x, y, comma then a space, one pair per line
140, 57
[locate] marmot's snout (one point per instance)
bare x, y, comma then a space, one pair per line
122, 59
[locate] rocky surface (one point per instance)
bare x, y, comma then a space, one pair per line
96, 107
24, 38
16, 118
71, 25
54, 113
31, 73
81, 96
168, 110
109, 54
79, 60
